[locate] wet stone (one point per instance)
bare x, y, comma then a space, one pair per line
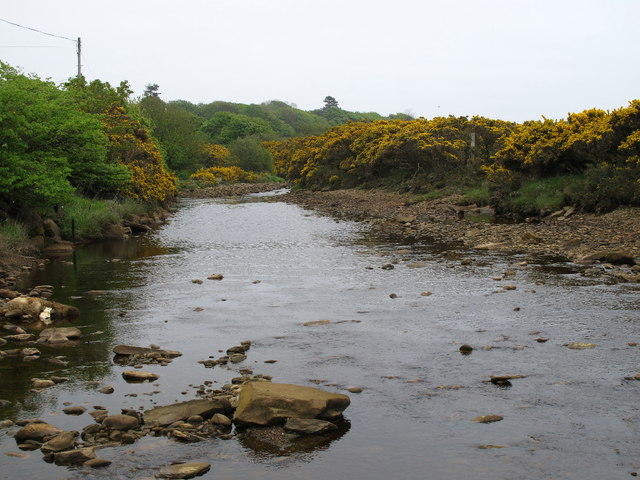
184, 470
76, 410
487, 418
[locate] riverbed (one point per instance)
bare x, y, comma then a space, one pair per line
396, 332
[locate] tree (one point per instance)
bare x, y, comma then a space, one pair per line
330, 102
152, 90
50, 147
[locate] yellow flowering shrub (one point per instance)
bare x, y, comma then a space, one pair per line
217, 155
231, 174
131, 145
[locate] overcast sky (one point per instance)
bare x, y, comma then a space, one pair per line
508, 59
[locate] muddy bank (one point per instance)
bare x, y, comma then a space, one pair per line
586, 238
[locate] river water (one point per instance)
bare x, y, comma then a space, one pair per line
572, 417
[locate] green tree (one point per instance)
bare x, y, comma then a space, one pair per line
225, 127
48, 147
178, 132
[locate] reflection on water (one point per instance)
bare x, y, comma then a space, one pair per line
573, 416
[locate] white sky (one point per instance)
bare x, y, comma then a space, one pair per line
509, 59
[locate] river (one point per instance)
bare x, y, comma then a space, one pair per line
572, 416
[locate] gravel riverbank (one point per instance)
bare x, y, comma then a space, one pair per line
611, 238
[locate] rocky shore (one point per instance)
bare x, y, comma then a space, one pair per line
609, 243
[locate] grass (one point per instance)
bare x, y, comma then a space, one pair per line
13, 235
92, 216
544, 196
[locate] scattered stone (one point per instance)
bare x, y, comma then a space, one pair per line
270, 361
184, 470
542, 339
221, 419
509, 287
316, 323
77, 456
426, 294
38, 431
417, 265
580, 345
30, 352
237, 357
6, 423
309, 426
490, 446
106, 390
216, 276
487, 418
133, 376
97, 463
16, 454
466, 349
78, 410
354, 389
39, 383
128, 350
121, 422
197, 281
169, 414
387, 266
56, 379
54, 336
21, 337
265, 403
59, 443
393, 295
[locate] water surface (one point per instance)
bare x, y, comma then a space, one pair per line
573, 417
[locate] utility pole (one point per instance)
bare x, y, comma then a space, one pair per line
79, 48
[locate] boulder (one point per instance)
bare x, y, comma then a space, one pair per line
184, 470
40, 432
265, 403
169, 414
33, 306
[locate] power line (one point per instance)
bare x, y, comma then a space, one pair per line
77, 42
36, 30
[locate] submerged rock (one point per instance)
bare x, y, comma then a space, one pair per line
61, 335
309, 426
131, 350
265, 403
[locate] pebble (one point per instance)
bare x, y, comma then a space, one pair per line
354, 389
106, 390
466, 349
487, 418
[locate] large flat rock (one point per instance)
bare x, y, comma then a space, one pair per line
264, 403
169, 414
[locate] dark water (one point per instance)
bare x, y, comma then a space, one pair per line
573, 417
